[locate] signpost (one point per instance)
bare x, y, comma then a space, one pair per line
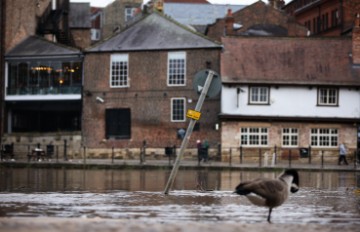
207, 83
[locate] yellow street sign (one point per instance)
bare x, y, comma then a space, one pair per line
193, 114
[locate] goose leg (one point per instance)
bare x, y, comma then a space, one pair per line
268, 219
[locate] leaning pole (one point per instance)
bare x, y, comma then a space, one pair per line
204, 90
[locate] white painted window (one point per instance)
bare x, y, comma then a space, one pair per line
324, 137
95, 34
328, 96
290, 137
119, 70
176, 68
254, 136
178, 109
129, 13
259, 95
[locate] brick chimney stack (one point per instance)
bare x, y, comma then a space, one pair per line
277, 4
229, 23
356, 40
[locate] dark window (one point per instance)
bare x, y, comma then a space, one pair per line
118, 123
41, 117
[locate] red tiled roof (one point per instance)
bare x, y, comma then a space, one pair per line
288, 60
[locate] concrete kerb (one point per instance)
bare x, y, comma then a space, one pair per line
165, 164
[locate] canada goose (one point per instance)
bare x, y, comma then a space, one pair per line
270, 192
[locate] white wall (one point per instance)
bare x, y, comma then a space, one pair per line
286, 101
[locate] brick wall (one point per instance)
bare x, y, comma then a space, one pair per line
258, 13
356, 41
21, 20
114, 16
149, 99
230, 136
81, 37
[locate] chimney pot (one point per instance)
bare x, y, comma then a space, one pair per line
229, 23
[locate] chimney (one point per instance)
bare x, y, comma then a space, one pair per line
277, 4
356, 40
229, 23
272, 3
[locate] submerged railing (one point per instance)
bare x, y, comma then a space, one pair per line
222, 156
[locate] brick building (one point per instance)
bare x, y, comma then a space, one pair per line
2, 64
325, 17
258, 19
287, 93
118, 15
42, 78
139, 86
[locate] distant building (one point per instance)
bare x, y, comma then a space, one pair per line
2, 62
326, 17
118, 15
258, 19
97, 21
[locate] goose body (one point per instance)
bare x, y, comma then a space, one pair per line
270, 193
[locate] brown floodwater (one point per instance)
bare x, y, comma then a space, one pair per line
324, 197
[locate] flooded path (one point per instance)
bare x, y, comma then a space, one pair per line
198, 196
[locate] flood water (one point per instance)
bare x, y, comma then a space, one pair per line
324, 197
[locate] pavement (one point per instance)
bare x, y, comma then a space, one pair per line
184, 164
45, 224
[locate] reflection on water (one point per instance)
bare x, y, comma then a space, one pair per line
324, 197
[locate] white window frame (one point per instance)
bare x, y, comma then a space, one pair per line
324, 137
259, 95
95, 34
118, 79
129, 13
176, 74
183, 116
328, 96
290, 137
254, 136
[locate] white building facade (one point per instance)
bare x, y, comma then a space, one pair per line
288, 94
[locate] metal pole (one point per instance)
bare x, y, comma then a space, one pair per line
241, 155
260, 160
57, 153
112, 155
188, 132
230, 153
275, 152
84, 155
65, 151
289, 158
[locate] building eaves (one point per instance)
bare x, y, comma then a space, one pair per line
154, 32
